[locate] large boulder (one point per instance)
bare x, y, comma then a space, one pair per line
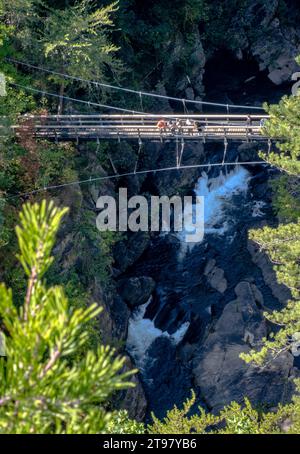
126, 253
218, 370
136, 290
277, 54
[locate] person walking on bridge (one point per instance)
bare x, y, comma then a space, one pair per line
197, 127
161, 125
249, 123
171, 126
179, 126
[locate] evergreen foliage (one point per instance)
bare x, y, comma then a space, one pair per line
282, 244
42, 389
120, 423
233, 419
74, 36
285, 123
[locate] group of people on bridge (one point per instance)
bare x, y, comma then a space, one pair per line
178, 126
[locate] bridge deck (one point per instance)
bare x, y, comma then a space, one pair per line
191, 127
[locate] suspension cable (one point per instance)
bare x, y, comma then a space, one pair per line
184, 107
177, 152
128, 174
105, 106
141, 102
98, 146
89, 103
112, 163
128, 90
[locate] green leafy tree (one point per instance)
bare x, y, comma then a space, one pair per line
19, 21
285, 123
42, 388
283, 247
76, 41
282, 244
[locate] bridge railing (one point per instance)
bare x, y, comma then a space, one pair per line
70, 127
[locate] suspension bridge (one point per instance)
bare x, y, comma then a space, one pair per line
142, 127
139, 125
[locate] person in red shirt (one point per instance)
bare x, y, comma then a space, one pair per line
161, 124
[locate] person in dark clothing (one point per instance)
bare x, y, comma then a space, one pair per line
198, 127
172, 126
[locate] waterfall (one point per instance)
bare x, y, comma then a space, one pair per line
142, 333
218, 193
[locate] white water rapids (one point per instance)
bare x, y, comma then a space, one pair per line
217, 194
142, 333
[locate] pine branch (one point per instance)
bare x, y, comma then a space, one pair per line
31, 284
53, 359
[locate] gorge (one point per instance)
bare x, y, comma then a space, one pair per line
208, 301
180, 312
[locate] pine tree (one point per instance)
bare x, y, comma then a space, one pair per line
282, 244
44, 386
